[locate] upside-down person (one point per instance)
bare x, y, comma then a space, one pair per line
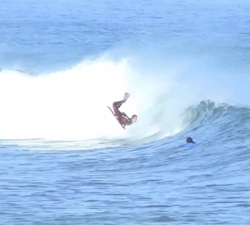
123, 119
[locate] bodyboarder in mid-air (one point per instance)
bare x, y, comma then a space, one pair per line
122, 118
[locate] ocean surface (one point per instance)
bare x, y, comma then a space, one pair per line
64, 159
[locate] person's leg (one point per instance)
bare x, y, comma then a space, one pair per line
118, 103
116, 106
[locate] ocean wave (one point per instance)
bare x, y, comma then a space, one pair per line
70, 106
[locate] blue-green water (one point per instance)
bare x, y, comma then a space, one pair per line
63, 157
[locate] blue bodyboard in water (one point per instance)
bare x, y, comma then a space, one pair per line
190, 145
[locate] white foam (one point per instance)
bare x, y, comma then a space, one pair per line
72, 104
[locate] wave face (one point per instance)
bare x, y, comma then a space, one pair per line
218, 123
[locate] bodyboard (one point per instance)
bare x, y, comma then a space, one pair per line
115, 116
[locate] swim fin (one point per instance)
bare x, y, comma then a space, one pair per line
126, 96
